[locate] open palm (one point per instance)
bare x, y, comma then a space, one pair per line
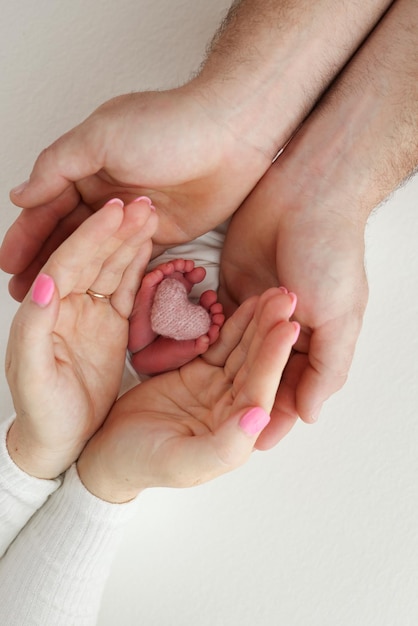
182, 428
65, 362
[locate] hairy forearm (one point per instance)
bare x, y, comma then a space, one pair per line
272, 59
362, 140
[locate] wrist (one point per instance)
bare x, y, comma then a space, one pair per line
270, 63
97, 476
34, 459
331, 162
27, 456
232, 139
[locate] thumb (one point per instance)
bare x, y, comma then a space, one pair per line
330, 355
235, 439
72, 157
203, 458
30, 339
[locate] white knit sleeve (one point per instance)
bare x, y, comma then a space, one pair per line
55, 571
21, 495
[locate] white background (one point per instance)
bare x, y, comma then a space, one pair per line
321, 531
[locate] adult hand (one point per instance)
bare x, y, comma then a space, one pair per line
322, 260
304, 224
66, 350
197, 151
190, 425
318, 253
169, 146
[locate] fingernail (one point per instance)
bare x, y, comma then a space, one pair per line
294, 299
254, 421
20, 188
43, 290
145, 199
283, 290
117, 201
297, 331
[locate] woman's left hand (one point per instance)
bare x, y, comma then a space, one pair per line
66, 349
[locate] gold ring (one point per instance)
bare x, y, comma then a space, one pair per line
98, 296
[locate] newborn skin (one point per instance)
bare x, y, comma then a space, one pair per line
163, 337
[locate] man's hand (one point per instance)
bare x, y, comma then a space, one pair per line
319, 255
196, 151
162, 145
323, 262
303, 225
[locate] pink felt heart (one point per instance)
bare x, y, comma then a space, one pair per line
174, 316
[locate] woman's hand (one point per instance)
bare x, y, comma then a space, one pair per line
66, 349
185, 427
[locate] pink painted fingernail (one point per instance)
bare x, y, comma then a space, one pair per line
43, 290
20, 188
145, 199
254, 421
294, 299
297, 332
117, 201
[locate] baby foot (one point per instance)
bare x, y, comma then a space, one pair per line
166, 329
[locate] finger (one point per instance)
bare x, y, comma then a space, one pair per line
330, 355
195, 460
123, 297
262, 371
199, 459
284, 414
231, 333
30, 338
21, 283
273, 307
27, 235
74, 156
138, 226
77, 261
238, 332
233, 441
